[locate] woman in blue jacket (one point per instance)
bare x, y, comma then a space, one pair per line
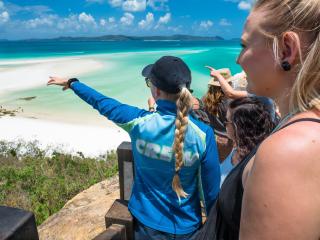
176, 160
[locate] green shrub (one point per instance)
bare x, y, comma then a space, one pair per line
33, 181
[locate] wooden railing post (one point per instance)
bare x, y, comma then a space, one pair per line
119, 221
126, 170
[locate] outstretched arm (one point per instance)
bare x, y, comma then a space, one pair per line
225, 86
109, 107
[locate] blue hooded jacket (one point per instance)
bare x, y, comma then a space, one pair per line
153, 202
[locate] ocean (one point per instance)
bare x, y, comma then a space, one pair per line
119, 75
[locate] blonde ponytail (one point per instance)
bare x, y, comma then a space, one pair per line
184, 105
306, 89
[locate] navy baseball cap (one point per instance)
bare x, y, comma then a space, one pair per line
169, 74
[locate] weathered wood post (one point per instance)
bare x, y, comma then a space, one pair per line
119, 221
17, 224
126, 169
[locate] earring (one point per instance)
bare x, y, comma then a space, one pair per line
286, 66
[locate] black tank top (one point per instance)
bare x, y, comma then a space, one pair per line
223, 222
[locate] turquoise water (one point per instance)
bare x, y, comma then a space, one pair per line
121, 79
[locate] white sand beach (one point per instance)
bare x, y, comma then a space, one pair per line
71, 138
20, 75
58, 132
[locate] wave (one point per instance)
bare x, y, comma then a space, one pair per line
83, 55
157, 52
68, 53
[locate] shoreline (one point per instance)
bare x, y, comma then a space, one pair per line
92, 141
94, 119
93, 136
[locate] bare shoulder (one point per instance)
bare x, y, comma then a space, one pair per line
282, 196
296, 145
294, 148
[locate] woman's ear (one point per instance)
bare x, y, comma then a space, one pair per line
291, 48
156, 92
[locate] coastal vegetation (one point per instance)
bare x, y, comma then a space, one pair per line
42, 181
177, 37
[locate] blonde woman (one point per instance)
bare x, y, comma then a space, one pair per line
278, 196
280, 55
175, 155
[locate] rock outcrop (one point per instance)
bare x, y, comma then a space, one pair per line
82, 217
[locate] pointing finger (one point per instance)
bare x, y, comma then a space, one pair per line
211, 68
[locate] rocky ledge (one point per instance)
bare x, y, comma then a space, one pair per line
82, 217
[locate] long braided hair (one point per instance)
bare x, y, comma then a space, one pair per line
184, 105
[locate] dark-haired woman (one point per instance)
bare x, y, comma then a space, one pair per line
248, 123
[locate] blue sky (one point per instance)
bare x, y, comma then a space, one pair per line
23, 19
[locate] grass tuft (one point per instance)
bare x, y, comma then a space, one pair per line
31, 180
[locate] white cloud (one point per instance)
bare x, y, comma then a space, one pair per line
165, 19
86, 18
74, 23
206, 24
115, 3
69, 23
36, 10
111, 20
4, 17
4, 14
158, 5
103, 22
245, 5
134, 5
224, 22
40, 22
147, 23
127, 19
